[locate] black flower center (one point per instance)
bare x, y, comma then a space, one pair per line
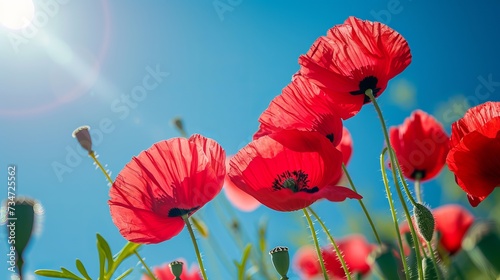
178, 212
418, 174
369, 82
330, 137
295, 181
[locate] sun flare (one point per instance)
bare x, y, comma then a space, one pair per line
16, 14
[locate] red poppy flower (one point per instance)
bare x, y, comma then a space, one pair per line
345, 146
301, 106
421, 146
236, 196
474, 154
452, 222
352, 58
164, 273
170, 179
355, 250
289, 170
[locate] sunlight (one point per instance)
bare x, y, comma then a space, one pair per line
16, 14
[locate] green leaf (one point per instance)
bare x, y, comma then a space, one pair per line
70, 275
106, 249
125, 274
50, 273
82, 270
244, 259
124, 253
101, 261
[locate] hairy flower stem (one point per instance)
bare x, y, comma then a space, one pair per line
362, 205
418, 191
195, 244
96, 161
316, 243
393, 212
337, 249
434, 260
396, 168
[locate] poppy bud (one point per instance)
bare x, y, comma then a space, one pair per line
176, 268
425, 221
281, 260
384, 262
430, 271
82, 134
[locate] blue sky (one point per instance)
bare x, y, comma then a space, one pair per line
218, 70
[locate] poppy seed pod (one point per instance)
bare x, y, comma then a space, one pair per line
82, 134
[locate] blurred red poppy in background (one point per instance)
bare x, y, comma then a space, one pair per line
353, 57
236, 196
289, 170
164, 273
474, 154
421, 146
355, 249
172, 178
452, 222
301, 106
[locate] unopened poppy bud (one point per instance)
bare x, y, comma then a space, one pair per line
179, 124
82, 134
20, 219
176, 268
425, 221
481, 244
281, 260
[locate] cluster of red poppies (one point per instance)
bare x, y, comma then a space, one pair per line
299, 150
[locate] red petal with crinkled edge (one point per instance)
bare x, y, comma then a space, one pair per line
301, 106
421, 144
351, 52
236, 196
177, 173
256, 168
476, 118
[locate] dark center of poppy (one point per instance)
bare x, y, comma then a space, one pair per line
369, 82
330, 137
295, 181
418, 174
178, 212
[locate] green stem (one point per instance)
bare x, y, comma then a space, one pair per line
195, 244
149, 272
316, 243
395, 166
96, 161
434, 260
337, 249
393, 212
362, 205
418, 191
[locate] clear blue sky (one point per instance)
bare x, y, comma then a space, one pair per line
218, 71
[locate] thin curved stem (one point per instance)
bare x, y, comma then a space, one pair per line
396, 168
195, 244
372, 225
96, 161
148, 271
393, 212
316, 244
337, 249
